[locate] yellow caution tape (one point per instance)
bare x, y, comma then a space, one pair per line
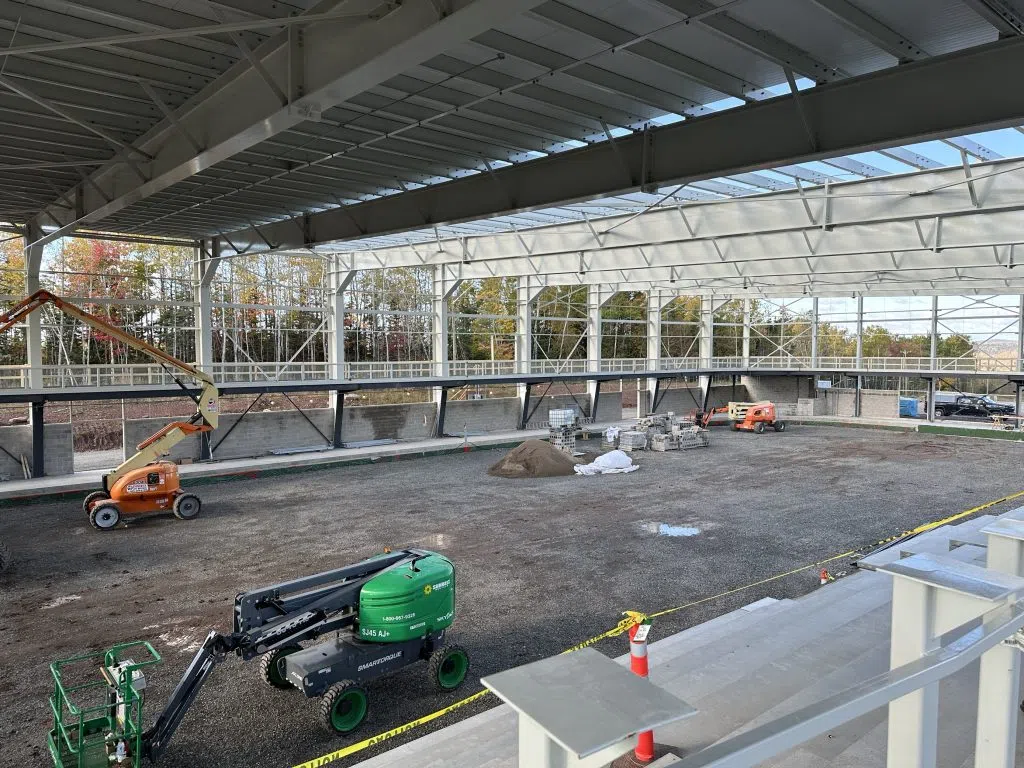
631, 618
947, 520
359, 746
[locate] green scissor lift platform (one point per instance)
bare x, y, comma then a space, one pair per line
97, 707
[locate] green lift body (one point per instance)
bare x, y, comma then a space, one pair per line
383, 614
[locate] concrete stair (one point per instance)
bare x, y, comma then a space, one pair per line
941, 540
761, 662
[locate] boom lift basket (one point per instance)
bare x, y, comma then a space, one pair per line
97, 707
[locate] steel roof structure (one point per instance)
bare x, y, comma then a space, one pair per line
274, 125
951, 230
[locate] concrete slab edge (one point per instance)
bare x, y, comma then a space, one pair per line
250, 473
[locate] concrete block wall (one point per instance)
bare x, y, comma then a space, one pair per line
685, 399
778, 389
407, 421
874, 403
811, 406
258, 434
58, 450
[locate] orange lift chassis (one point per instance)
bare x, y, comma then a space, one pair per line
143, 483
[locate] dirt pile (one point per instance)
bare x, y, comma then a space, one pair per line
534, 458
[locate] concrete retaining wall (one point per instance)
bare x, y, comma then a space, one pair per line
264, 432
58, 450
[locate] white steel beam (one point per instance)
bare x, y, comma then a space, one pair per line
886, 207
761, 135
238, 111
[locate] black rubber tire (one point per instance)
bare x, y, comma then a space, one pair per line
187, 506
332, 698
105, 517
759, 427
5, 557
779, 426
270, 672
94, 496
438, 670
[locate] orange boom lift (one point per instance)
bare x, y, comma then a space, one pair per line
748, 417
143, 483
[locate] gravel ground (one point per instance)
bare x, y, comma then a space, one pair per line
542, 565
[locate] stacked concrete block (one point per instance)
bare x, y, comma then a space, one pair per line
663, 442
632, 440
694, 437
563, 438
610, 438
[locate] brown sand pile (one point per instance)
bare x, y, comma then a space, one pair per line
534, 458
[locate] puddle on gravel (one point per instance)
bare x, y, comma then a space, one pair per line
664, 529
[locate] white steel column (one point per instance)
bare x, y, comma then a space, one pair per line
444, 287
338, 282
205, 267
656, 301
933, 358
814, 332
707, 340
1020, 339
597, 297
34, 322
746, 333
860, 355
526, 292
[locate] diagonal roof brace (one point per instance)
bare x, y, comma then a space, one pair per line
238, 111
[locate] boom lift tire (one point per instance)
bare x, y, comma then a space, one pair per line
187, 506
448, 667
270, 667
343, 707
105, 517
759, 427
779, 426
87, 502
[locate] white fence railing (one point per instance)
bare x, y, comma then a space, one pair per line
70, 376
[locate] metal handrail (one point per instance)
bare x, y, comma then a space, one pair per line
765, 741
132, 374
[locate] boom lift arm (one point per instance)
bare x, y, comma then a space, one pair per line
160, 444
274, 617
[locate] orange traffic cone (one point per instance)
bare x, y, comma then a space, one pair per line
825, 576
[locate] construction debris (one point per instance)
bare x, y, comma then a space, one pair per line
611, 463
660, 432
534, 458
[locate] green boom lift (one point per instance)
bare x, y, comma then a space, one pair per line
384, 614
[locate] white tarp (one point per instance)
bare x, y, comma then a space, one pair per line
613, 462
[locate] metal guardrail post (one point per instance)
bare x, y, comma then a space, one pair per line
932, 596
999, 671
